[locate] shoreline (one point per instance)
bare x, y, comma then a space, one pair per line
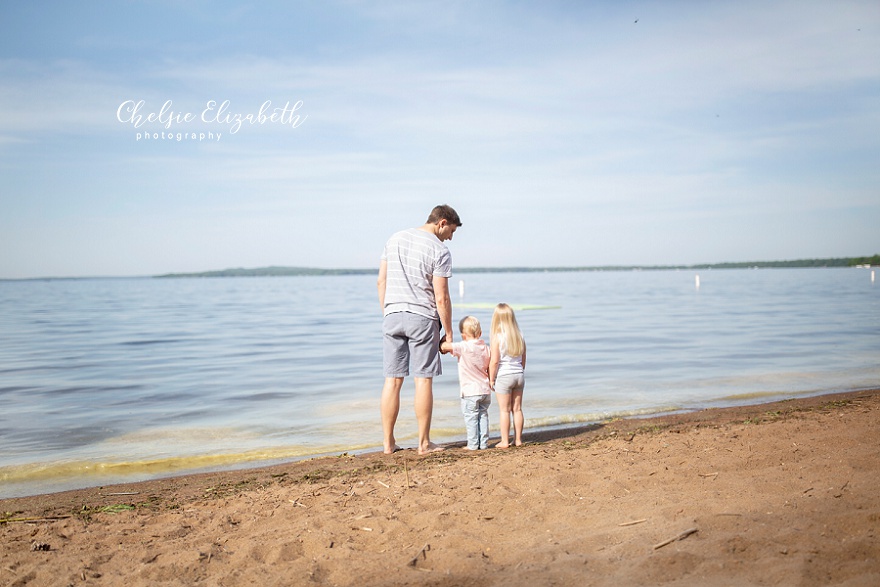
559, 432
778, 492
85, 481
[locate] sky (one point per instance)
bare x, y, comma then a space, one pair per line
565, 133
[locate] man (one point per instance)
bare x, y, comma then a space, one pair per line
414, 294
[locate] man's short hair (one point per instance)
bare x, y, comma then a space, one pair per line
444, 212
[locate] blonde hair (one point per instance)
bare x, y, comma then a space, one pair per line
504, 325
470, 325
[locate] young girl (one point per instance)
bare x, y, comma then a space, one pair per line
507, 364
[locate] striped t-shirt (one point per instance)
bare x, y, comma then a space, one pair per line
414, 258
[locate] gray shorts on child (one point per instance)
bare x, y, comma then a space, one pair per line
509, 383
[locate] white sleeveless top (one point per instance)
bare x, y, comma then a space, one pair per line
508, 365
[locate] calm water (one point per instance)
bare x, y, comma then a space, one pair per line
109, 380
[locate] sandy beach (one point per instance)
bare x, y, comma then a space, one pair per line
786, 493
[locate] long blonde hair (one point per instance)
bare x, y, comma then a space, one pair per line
504, 325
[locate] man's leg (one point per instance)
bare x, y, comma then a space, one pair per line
424, 411
390, 407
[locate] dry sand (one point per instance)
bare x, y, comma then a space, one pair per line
774, 494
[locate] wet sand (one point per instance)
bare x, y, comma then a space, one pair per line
786, 493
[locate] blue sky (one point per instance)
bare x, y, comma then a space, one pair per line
564, 133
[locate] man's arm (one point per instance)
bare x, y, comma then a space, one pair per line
380, 284
444, 305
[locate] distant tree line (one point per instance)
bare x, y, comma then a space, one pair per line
875, 260
276, 271
271, 272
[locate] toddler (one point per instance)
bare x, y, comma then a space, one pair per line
473, 376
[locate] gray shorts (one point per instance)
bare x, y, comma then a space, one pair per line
509, 383
410, 338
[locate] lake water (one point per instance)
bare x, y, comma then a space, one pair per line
111, 380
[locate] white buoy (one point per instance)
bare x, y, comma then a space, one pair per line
461, 288
697, 281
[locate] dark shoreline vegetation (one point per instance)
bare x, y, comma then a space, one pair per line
276, 271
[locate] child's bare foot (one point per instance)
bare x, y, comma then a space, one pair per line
467, 448
429, 448
499, 445
392, 450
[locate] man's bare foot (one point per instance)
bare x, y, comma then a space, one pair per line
466, 448
392, 450
431, 447
499, 445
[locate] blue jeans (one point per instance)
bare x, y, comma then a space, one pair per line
475, 409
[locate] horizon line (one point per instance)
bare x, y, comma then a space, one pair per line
296, 270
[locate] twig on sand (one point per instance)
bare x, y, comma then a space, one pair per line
634, 522
560, 493
121, 493
44, 519
708, 474
681, 536
350, 495
382, 484
422, 553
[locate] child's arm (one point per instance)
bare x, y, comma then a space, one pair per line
445, 347
494, 357
524, 356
